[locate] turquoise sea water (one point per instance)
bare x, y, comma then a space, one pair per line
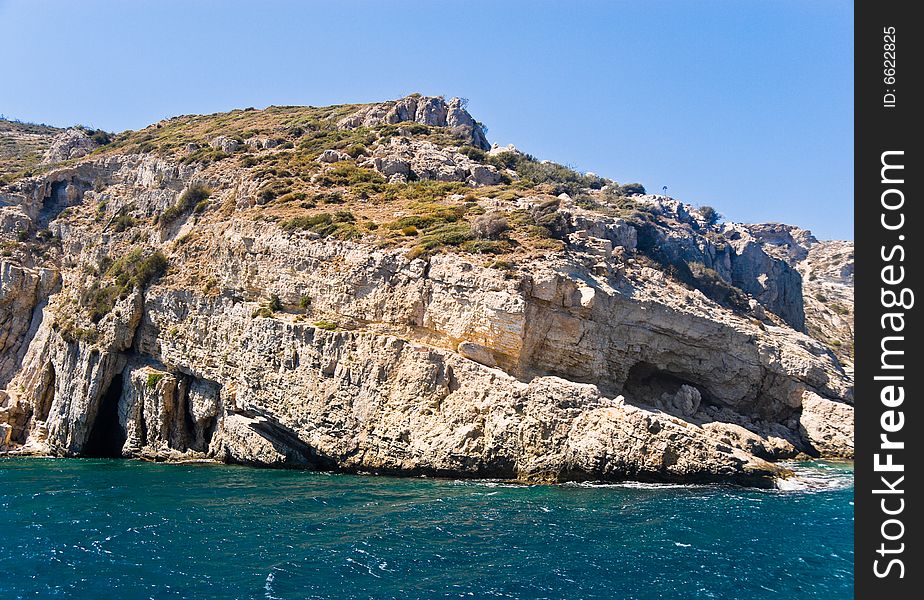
126, 529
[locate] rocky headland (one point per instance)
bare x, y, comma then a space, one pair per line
375, 288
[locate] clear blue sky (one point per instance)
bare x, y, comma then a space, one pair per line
746, 106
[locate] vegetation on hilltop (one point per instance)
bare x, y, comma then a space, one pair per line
298, 168
22, 146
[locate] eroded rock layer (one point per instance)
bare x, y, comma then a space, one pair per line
365, 288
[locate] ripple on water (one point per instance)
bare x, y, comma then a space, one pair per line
146, 530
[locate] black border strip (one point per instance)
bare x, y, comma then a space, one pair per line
887, 37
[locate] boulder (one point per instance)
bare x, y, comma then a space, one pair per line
477, 353
69, 144
332, 156
225, 144
827, 426
424, 160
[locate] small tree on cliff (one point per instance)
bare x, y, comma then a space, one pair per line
709, 214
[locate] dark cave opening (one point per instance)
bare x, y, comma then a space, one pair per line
650, 385
54, 203
107, 435
645, 375
208, 430
43, 406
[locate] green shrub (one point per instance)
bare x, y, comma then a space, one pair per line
304, 302
429, 215
326, 325
328, 198
295, 197
476, 154
586, 201
415, 128
341, 224
348, 174
188, 201
357, 150
44, 235
502, 265
134, 270
271, 191
99, 300
561, 178
98, 136
545, 215
709, 214
262, 311
447, 234
425, 190
632, 189
408, 127
416, 252
490, 226
274, 303
450, 234
202, 155
840, 309
713, 286
154, 379
123, 222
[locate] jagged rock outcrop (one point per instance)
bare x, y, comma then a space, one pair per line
225, 143
426, 110
826, 268
71, 143
771, 281
384, 333
22, 292
403, 158
827, 425
722, 266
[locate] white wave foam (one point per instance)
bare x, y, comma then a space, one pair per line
815, 478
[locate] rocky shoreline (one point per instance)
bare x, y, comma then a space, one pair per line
372, 288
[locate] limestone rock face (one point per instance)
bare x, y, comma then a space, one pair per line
426, 110
646, 348
71, 143
617, 231
423, 160
719, 267
828, 426
786, 242
771, 281
826, 268
22, 291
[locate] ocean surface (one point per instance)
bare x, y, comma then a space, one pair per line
84, 528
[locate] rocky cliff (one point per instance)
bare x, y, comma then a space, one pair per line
826, 268
374, 288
